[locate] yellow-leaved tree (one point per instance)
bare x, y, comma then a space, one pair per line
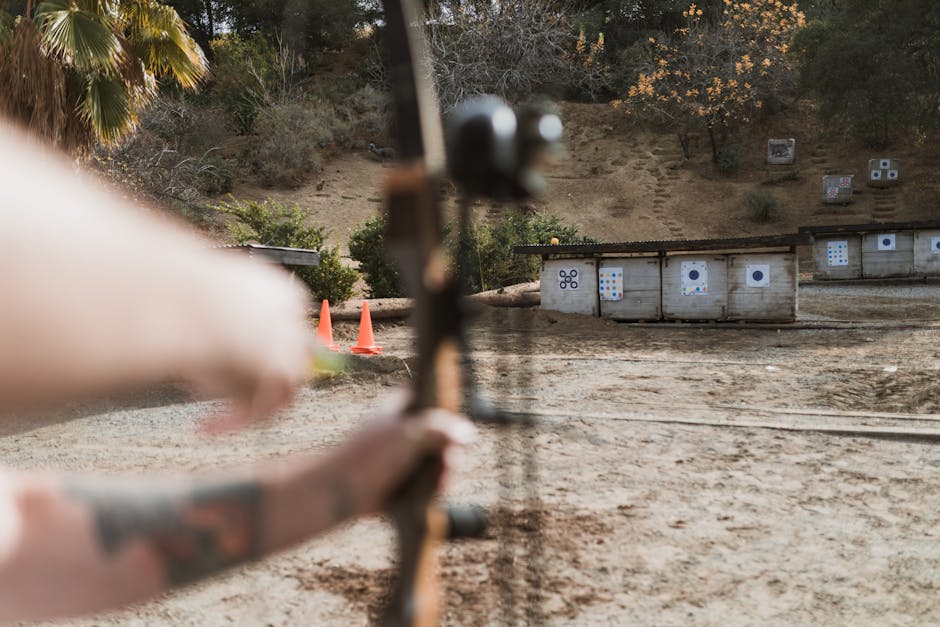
717, 75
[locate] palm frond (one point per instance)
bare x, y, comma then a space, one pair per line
107, 107
79, 37
161, 40
81, 70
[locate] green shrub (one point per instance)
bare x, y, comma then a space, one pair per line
243, 76
273, 223
176, 155
728, 159
367, 112
367, 246
490, 261
216, 175
289, 137
762, 205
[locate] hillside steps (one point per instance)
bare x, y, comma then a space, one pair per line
839, 214
659, 175
885, 206
821, 157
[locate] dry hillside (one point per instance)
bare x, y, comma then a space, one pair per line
623, 182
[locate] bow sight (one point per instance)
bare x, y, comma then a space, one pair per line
492, 150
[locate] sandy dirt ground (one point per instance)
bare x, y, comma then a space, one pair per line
693, 475
682, 474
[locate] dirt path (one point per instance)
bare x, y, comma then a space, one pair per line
643, 520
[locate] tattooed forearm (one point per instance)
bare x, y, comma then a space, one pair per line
196, 532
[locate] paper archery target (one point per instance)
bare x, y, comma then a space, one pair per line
758, 275
882, 172
838, 253
610, 283
845, 182
887, 242
568, 279
694, 280
832, 193
935, 245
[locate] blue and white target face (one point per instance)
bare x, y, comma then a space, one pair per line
892, 175
876, 175
884, 164
935, 245
568, 279
694, 280
888, 241
758, 275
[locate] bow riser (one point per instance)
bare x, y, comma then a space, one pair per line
414, 240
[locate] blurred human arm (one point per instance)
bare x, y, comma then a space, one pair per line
75, 546
99, 295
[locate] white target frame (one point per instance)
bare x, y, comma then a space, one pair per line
887, 242
757, 275
694, 278
568, 279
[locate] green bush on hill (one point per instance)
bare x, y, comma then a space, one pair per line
490, 262
272, 223
485, 254
367, 246
762, 205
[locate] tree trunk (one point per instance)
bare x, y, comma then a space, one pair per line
686, 144
210, 18
714, 143
522, 295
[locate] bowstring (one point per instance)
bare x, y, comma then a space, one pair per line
516, 458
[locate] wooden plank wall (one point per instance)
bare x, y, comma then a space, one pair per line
822, 271
681, 306
879, 264
777, 301
569, 294
927, 252
642, 289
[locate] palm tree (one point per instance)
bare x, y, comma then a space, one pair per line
78, 71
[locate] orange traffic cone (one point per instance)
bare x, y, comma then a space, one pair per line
325, 327
366, 343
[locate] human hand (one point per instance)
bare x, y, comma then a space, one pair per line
257, 346
380, 458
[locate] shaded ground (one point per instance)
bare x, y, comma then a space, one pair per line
659, 499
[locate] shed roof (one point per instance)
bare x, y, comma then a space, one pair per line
666, 246
278, 254
835, 229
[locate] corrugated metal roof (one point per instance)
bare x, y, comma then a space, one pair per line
666, 246
869, 228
